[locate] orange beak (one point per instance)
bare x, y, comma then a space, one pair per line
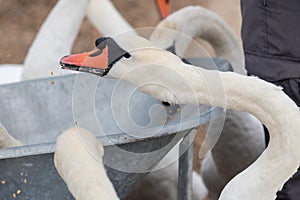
98, 61
164, 7
94, 59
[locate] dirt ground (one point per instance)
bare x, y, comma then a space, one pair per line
20, 21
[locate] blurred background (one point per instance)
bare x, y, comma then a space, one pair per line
20, 21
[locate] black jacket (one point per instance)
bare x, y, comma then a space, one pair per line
271, 38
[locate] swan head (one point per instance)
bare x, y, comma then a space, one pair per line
134, 59
114, 57
99, 61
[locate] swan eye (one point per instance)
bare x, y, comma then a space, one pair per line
127, 55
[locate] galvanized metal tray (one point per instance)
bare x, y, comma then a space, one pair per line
125, 120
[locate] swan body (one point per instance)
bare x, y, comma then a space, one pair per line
155, 71
6, 140
162, 182
78, 160
242, 138
163, 185
10, 73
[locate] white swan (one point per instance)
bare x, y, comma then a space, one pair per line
163, 185
164, 76
195, 21
242, 137
78, 160
6, 140
10, 73
240, 144
162, 182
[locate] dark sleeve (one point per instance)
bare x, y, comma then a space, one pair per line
271, 38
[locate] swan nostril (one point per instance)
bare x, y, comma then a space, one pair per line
165, 103
127, 55
62, 65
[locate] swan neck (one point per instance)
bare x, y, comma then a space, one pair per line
225, 43
282, 150
233, 91
212, 28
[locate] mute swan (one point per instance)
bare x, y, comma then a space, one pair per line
78, 160
158, 187
242, 138
195, 21
162, 182
10, 73
146, 67
240, 144
6, 140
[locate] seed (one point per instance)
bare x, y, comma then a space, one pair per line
19, 191
52, 82
3, 182
14, 195
51, 73
25, 180
178, 109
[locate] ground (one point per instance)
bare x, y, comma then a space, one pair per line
20, 21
